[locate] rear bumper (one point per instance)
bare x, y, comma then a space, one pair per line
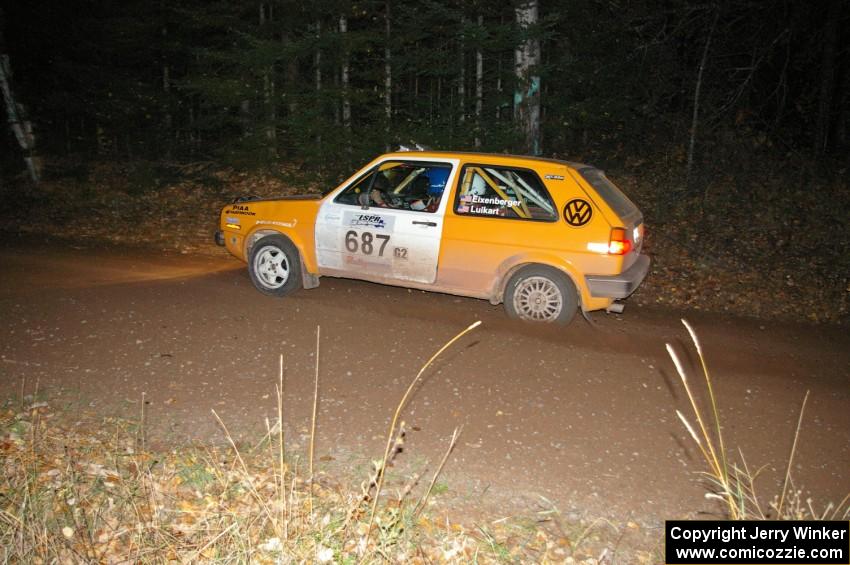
619, 286
219, 238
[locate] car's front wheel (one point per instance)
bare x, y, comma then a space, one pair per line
274, 266
541, 294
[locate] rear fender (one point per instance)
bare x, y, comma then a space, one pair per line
513, 264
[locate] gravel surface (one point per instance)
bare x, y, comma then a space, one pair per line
580, 419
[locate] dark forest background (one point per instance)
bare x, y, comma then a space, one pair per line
728, 122
253, 83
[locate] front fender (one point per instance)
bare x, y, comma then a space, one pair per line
308, 273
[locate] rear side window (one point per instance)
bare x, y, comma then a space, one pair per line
503, 192
609, 192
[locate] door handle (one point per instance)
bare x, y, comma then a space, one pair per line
430, 224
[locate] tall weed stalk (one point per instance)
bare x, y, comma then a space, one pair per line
732, 483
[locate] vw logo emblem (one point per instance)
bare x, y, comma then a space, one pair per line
577, 212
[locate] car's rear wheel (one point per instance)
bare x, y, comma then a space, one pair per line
274, 266
541, 294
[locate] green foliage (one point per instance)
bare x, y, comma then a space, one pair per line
252, 84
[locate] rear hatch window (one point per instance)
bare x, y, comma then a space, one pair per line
612, 195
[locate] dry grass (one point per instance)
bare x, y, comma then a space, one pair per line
79, 488
733, 483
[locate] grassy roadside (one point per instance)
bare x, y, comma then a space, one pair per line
79, 487
76, 486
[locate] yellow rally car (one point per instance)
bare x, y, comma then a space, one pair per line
544, 237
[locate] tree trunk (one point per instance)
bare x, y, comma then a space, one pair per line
166, 89
346, 95
499, 88
461, 85
388, 77
290, 78
527, 94
827, 77
245, 116
842, 128
271, 111
67, 136
479, 86
697, 92
193, 137
266, 16
317, 61
430, 103
18, 121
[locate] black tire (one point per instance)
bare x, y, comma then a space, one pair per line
274, 266
541, 294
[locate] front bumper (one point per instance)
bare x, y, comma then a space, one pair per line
619, 286
219, 238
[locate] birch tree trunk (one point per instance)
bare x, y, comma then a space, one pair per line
317, 61
346, 95
479, 86
267, 16
527, 94
461, 86
827, 77
166, 89
291, 78
842, 129
697, 92
499, 88
388, 77
271, 111
21, 126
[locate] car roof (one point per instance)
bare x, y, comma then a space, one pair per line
503, 158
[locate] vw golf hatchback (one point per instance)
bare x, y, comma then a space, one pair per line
546, 238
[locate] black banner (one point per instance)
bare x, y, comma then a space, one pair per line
759, 542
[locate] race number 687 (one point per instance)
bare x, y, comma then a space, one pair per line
366, 243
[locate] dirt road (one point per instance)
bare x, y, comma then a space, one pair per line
583, 416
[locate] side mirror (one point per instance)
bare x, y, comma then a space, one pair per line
363, 200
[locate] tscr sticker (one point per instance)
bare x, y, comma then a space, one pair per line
367, 220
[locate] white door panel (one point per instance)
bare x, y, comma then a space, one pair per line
380, 242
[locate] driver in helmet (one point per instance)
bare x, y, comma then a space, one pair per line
436, 185
378, 193
421, 186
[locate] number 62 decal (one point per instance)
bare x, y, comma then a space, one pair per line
366, 243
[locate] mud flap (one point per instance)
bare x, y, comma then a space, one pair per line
308, 280
586, 315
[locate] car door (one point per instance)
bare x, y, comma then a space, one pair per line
498, 212
395, 240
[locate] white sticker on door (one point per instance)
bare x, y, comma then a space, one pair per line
368, 220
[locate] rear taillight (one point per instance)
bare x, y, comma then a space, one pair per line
619, 244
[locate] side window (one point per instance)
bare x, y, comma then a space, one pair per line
350, 195
502, 192
401, 185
